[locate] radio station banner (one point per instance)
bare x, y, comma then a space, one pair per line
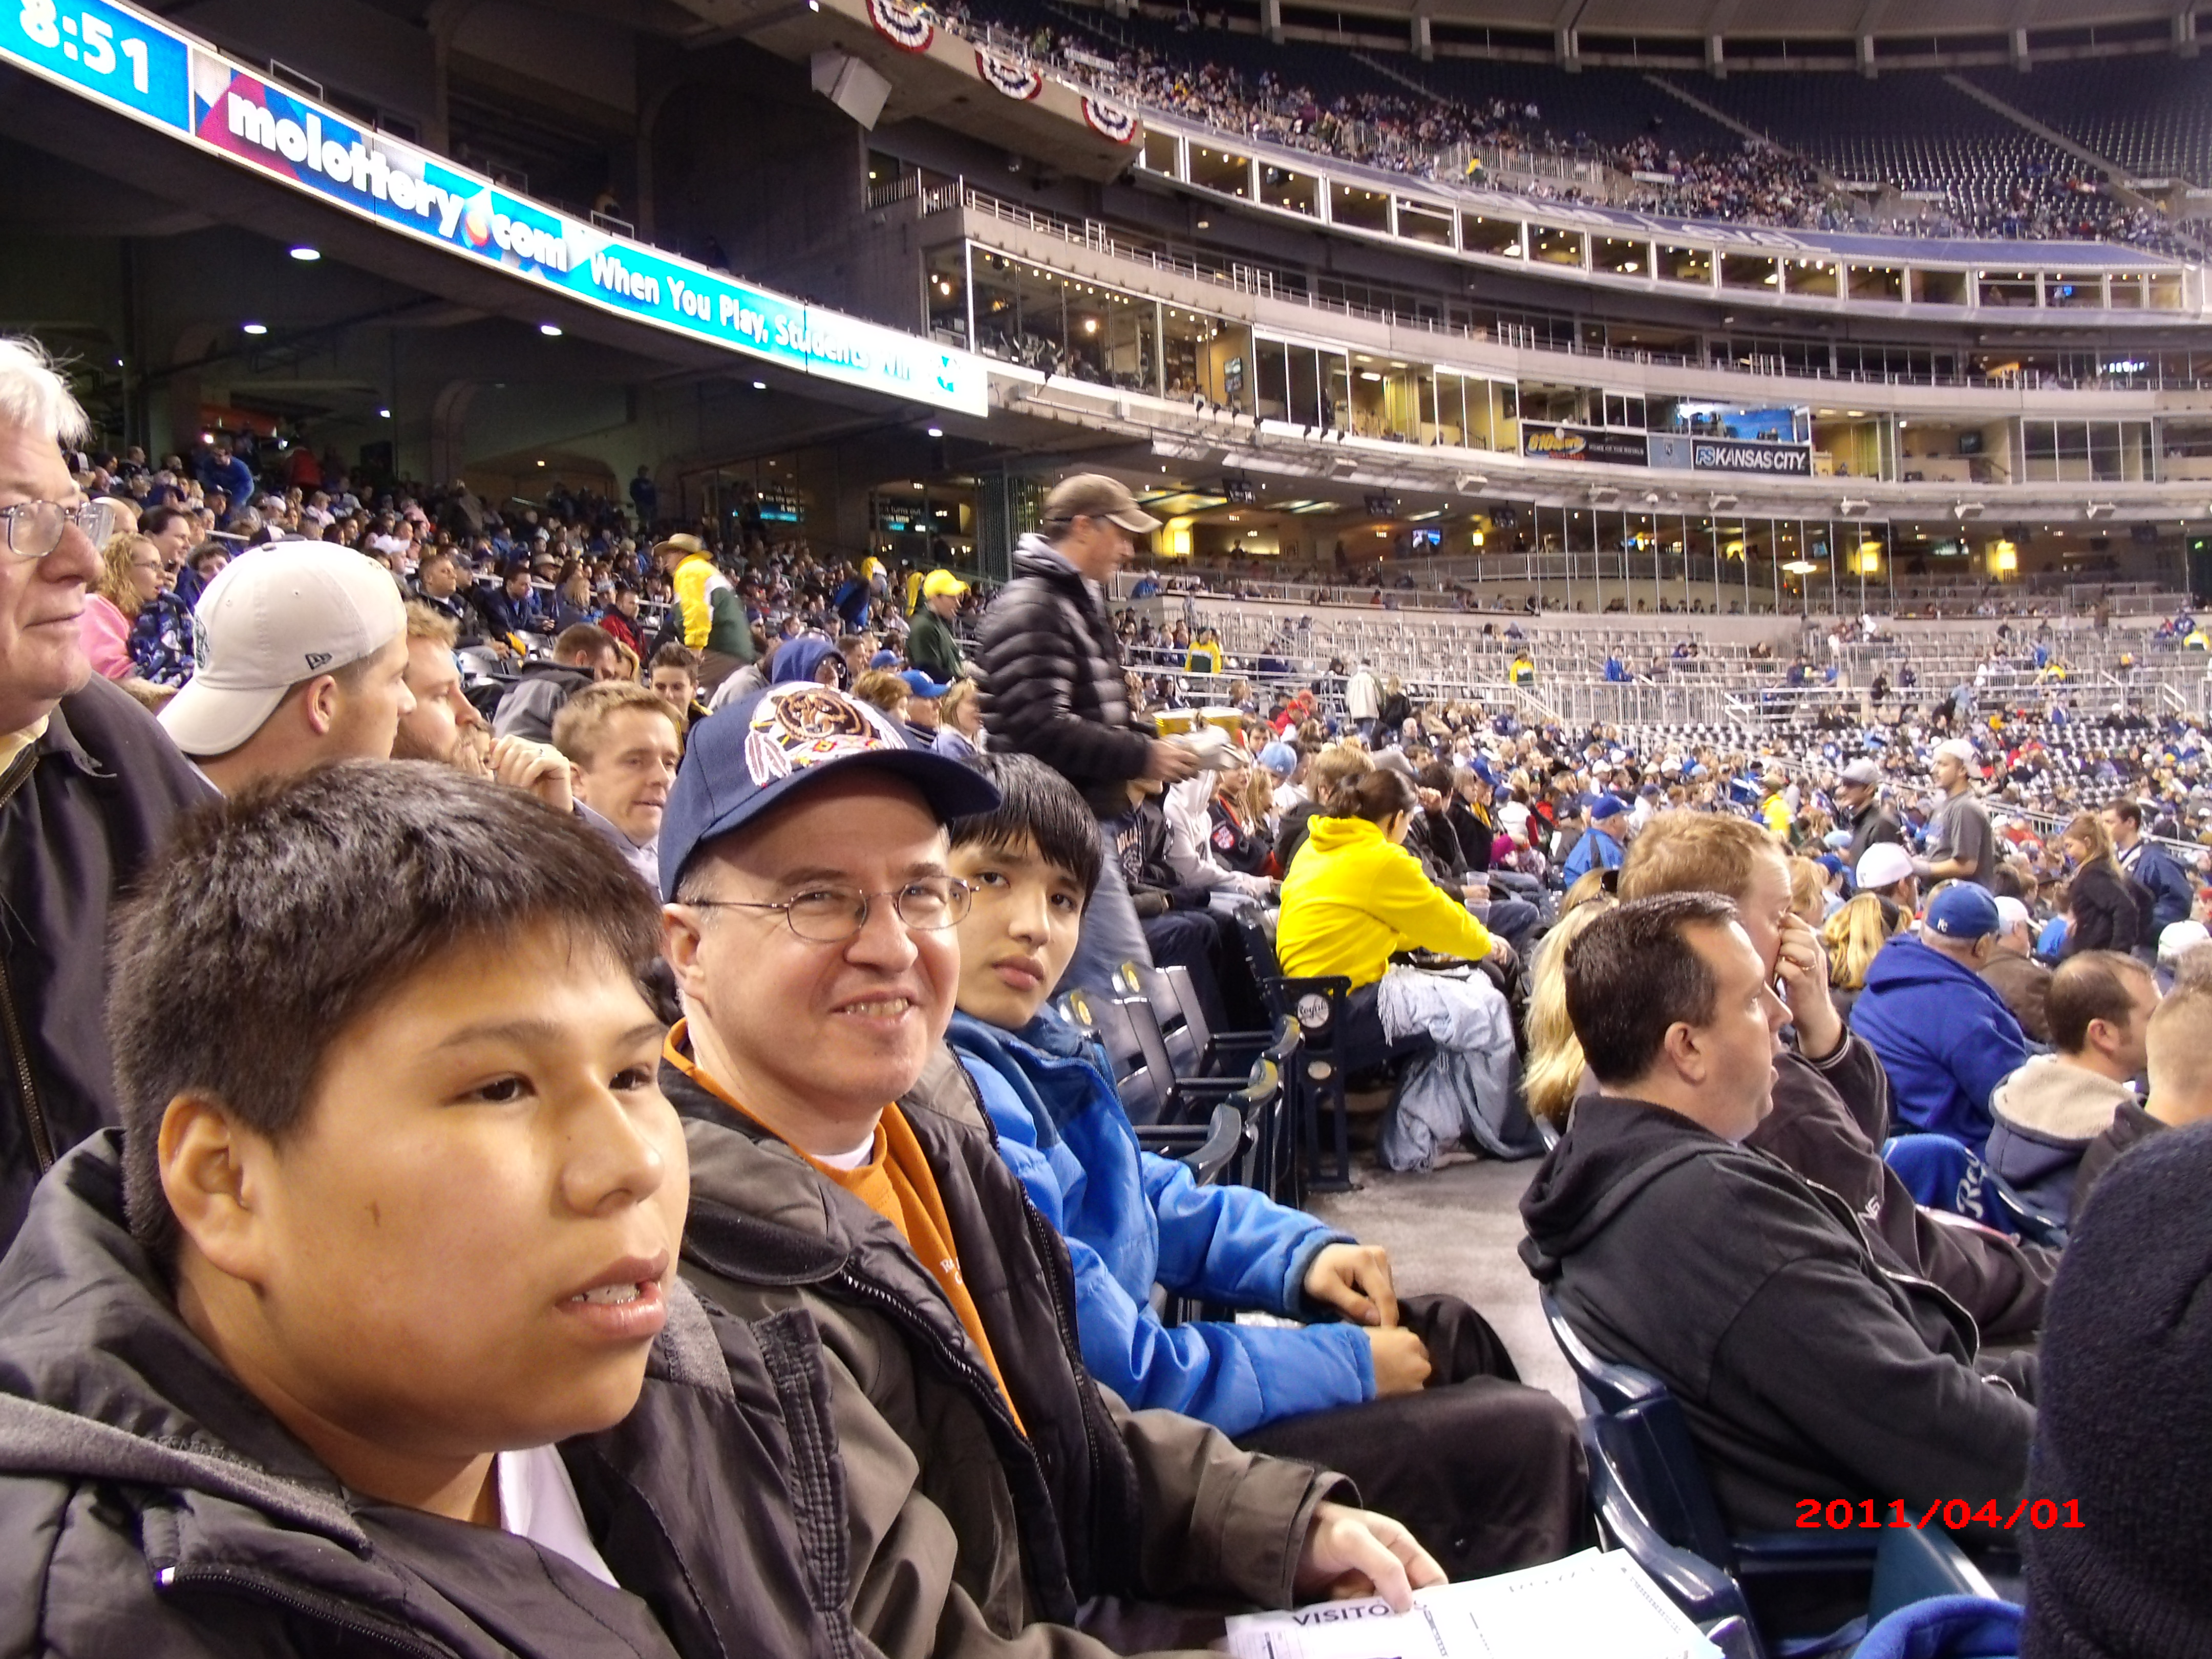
1582, 443
165, 78
1743, 455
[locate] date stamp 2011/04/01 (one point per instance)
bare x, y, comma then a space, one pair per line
1839, 1514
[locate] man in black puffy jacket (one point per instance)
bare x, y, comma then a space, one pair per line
1053, 687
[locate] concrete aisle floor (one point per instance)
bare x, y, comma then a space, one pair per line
1457, 1232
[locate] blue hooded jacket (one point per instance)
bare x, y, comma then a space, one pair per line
1132, 1220
1944, 1035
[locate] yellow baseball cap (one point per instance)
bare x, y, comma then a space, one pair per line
938, 584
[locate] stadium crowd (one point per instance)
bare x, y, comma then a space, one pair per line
1434, 136
567, 1143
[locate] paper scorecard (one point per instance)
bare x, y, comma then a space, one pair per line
1590, 1606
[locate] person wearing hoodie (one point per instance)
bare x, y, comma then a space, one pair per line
1054, 686
2050, 1110
242, 1410
1831, 1098
1945, 1036
2145, 861
583, 655
1805, 1368
1413, 1398
1860, 815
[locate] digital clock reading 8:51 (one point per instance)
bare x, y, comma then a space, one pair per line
113, 54
87, 39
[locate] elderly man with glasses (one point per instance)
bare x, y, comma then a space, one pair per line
88, 787
842, 1169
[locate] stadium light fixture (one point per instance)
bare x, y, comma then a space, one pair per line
2096, 508
550, 331
305, 255
1467, 483
1852, 508
938, 432
253, 328
1972, 510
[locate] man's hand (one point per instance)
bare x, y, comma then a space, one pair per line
1500, 953
1431, 800
1351, 1553
1802, 967
1402, 1360
1170, 762
538, 766
1355, 1280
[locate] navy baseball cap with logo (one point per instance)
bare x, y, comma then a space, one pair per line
746, 759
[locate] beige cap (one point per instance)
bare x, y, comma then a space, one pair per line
1095, 495
277, 615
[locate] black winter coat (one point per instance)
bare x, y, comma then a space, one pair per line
1050, 670
2107, 916
1806, 1369
150, 1505
80, 811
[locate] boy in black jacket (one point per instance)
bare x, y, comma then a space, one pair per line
366, 1335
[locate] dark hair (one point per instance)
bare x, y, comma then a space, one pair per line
2129, 811
1039, 806
584, 643
159, 519
1378, 796
2095, 985
1632, 975
207, 549
675, 655
307, 901
2005, 883
1438, 775
513, 569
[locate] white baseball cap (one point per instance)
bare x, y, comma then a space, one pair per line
1883, 864
1960, 750
2011, 914
276, 615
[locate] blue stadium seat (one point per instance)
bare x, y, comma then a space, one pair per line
1651, 1494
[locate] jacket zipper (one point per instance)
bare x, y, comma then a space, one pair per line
314, 1607
11, 1027
1042, 1240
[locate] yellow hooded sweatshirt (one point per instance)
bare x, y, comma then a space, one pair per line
1353, 897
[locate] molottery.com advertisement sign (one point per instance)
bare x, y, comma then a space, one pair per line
1582, 443
1743, 455
167, 79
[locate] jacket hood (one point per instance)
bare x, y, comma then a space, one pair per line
101, 1380
1614, 1148
1036, 556
2068, 1102
800, 657
1905, 961
1333, 835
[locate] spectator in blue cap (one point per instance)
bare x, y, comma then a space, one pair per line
1599, 846
1281, 762
924, 716
1944, 1035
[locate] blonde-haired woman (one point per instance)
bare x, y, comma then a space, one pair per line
130, 577
1554, 1073
1854, 936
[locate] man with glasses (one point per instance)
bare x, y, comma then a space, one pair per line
88, 788
841, 1167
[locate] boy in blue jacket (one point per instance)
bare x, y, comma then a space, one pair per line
1416, 1399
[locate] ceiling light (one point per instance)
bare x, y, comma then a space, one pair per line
760, 385
305, 255
550, 331
938, 432
255, 328
383, 413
